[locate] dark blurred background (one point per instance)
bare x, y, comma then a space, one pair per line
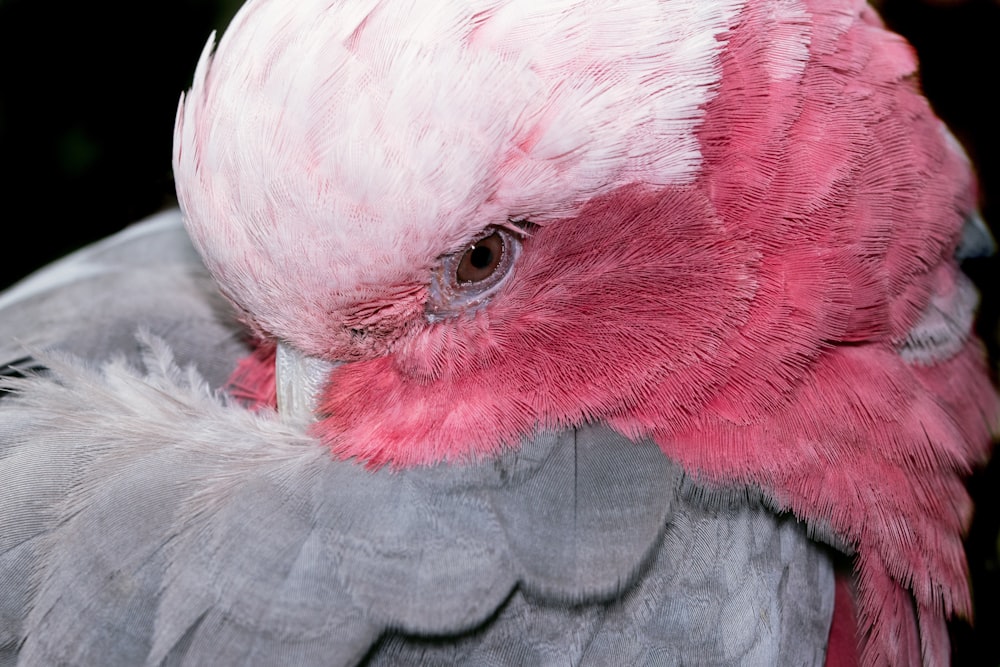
88, 92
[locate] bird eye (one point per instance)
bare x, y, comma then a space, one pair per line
467, 279
481, 259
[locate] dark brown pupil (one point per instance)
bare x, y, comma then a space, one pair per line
481, 260
481, 257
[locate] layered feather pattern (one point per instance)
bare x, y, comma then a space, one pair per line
765, 314
146, 519
740, 222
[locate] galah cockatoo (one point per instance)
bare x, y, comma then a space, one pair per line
592, 331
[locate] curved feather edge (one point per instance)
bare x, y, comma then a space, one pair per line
153, 522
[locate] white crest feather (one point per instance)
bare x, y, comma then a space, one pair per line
327, 148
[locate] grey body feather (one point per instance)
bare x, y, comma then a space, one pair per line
92, 302
949, 317
146, 519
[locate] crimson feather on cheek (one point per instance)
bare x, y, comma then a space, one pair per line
632, 298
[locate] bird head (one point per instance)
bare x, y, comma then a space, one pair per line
463, 197
484, 218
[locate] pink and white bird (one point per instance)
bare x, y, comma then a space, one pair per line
593, 329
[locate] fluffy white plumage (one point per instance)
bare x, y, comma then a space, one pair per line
360, 156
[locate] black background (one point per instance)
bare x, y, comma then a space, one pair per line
88, 92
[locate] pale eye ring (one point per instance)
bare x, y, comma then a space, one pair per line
468, 279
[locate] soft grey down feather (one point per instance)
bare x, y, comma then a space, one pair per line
145, 519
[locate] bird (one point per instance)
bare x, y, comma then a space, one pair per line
508, 332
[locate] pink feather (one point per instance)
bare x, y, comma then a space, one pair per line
748, 319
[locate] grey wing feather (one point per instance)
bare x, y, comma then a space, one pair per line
147, 520
92, 302
948, 319
729, 588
